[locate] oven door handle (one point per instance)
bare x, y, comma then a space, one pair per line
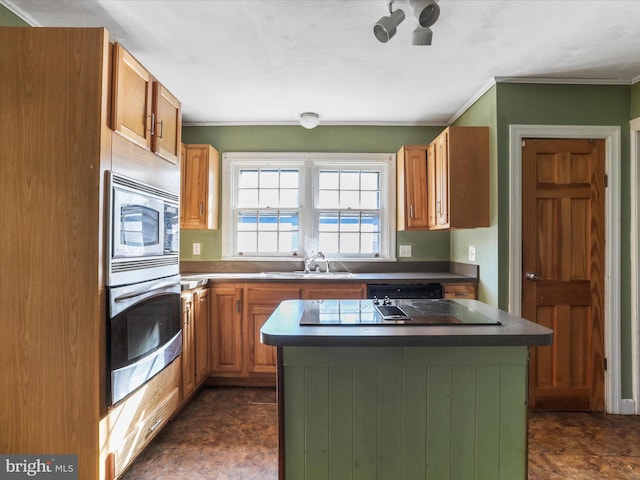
142, 291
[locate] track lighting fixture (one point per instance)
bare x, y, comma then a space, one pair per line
426, 13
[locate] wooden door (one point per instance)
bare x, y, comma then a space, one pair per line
167, 130
196, 166
132, 98
201, 334
563, 184
262, 358
432, 220
226, 330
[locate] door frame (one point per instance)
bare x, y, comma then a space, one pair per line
634, 135
611, 134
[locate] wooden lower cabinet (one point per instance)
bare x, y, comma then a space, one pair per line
136, 420
195, 340
238, 312
460, 291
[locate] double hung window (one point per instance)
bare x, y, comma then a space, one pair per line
283, 206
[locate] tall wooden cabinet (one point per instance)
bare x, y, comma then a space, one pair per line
58, 81
195, 340
200, 171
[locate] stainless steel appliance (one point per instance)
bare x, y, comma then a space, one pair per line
143, 231
396, 290
144, 333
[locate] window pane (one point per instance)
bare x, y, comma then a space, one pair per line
289, 179
247, 221
247, 198
349, 243
370, 200
268, 221
349, 180
267, 241
328, 242
269, 178
370, 222
349, 222
328, 199
248, 179
289, 198
328, 222
370, 181
289, 242
247, 241
288, 221
269, 198
328, 180
370, 243
349, 199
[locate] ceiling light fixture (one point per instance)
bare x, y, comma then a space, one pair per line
309, 120
426, 13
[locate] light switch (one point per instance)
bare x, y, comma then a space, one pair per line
472, 253
405, 251
196, 248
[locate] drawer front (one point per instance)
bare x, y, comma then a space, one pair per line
272, 295
463, 290
145, 431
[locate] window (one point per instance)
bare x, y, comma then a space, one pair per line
283, 206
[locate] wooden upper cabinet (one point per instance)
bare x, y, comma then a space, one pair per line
459, 179
144, 111
168, 123
200, 173
132, 95
412, 187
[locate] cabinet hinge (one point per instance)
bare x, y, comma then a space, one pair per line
605, 364
606, 181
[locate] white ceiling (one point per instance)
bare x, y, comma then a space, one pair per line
266, 61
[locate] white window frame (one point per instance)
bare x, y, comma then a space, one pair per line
310, 163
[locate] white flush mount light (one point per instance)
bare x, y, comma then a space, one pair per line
309, 120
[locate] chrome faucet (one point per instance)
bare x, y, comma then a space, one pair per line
312, 259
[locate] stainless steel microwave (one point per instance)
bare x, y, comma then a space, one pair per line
143, 231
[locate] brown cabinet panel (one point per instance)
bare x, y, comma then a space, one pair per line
458, 171
132, 96
186, 358
334, 291
201, 335
261, 358
168, 128
226, 330
411, 176
200, 181
460, 290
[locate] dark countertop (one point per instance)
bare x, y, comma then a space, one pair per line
283, 329
190, 281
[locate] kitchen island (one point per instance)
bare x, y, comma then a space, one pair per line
360, 397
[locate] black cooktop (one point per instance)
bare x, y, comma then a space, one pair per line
421, 312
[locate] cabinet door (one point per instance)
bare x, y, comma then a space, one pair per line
442, 180
188, 372
412, 187
201, 335
226, 330
200, 196
334, 291
132, 97
431, 186
168, 123
261, 358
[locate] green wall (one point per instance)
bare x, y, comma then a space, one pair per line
485, 240
9, 19
537, 104
427, 246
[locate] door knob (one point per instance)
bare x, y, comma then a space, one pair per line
531, 276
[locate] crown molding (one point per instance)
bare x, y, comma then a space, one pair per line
564, 81
484, 89
322, 124
18, 12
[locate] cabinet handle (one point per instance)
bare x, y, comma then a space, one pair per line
161, 122
411, 210
152, 128
153, 427
201, 208
460, 294
238, 305
438, 206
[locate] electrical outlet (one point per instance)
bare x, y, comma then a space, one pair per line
472, 253
405, 251
196, 248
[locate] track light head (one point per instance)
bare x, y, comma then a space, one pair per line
425, 11
385, 28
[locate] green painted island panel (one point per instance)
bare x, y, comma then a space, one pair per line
405, 412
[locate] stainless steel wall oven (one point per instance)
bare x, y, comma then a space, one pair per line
144, 333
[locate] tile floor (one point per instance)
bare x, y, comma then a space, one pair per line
231, 433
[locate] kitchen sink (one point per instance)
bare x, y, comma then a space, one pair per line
306, 275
